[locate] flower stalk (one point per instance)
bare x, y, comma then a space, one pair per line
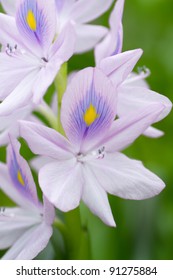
78, 242
46, 111
61, 85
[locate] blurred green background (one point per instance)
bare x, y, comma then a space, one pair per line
144, 228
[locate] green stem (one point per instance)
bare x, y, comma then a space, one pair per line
78, 240
73, 222
85, 246
60, 226
61, 85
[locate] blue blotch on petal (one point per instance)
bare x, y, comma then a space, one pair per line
21, 184
102, 120
39, 30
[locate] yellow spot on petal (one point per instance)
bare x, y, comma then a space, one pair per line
90, 115
20, 178
31, 20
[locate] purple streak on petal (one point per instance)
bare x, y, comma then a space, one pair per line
119, 44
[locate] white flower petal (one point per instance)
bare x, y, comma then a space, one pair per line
153, 132
112, 43
30, 244
14, 69
49, 211
61, 182
13, 223
38, 162
9, 6
125, 177
9, 33
44, 79
20, 96
45, 141
63, 47
84, 11
119, 66
127, 129
10, 125
88, 36
135, 98
95, 197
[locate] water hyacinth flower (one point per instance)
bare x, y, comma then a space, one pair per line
88, 163
31, 54
132, 95
80, 13
25, 228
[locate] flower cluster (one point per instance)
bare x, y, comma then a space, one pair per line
101, 111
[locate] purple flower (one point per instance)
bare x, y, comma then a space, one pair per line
26, 228
31, 54
88, 164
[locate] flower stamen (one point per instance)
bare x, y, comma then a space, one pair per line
10, 51
2, 210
